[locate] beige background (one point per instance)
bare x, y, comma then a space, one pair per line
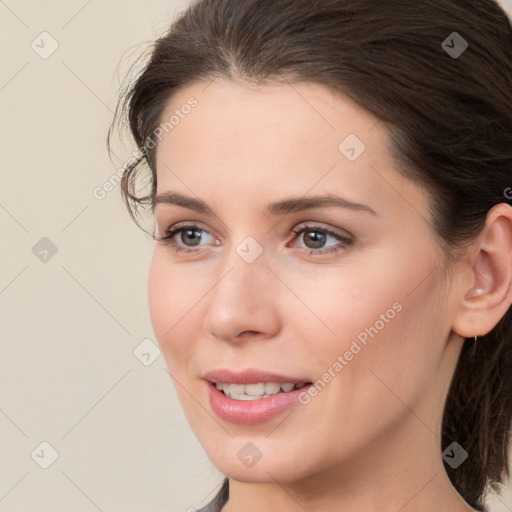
71, 321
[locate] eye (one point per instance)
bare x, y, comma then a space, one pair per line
317, 237
189, 238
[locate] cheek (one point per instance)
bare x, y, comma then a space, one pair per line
158, 296
167, 299
342, 306
175, 309
384, 318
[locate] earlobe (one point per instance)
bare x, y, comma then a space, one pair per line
489, 295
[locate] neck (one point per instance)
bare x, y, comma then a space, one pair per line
383, 477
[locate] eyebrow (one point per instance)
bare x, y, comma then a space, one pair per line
284, 207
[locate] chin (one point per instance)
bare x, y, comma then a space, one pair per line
270, 468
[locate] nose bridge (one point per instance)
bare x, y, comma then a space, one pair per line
244, 268
243, 274
243, 297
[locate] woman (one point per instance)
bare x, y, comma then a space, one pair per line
331, 280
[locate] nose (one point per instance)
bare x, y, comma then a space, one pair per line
244, 303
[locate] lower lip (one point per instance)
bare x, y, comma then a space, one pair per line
251, 412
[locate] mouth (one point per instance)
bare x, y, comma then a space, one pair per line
250, 403
256, 391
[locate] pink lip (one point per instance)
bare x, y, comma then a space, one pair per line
249, 376
251, 412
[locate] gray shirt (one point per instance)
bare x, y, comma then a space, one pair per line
222, 497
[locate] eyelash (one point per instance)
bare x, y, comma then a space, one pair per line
178, 228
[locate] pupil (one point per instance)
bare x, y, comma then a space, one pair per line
315, 238
194, 236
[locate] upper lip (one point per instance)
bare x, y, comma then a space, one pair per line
249, 376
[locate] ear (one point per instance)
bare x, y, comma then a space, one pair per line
485, 278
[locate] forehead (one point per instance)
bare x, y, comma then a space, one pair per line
266, 118
275, 139
272, 126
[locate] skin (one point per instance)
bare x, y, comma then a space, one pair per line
370, 440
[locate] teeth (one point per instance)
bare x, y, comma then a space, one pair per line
272, 388
255, 391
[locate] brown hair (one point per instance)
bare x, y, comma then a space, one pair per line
449, 117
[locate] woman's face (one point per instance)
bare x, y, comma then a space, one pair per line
354, 300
